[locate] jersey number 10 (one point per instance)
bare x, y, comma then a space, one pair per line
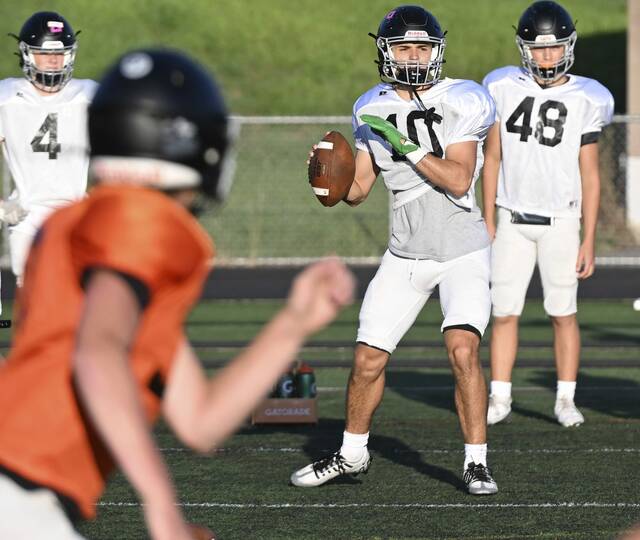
50, 126
429, 117
544, 120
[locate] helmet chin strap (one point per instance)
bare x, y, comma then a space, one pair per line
413, 88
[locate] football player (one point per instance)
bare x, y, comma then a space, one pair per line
541, 171
43, 130
80, 389
424, 134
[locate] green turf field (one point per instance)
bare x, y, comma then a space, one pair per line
554, 483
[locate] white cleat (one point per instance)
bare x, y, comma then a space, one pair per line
567, 413
499, 409
323, 470
479, 480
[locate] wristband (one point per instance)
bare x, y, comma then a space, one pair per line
416, 155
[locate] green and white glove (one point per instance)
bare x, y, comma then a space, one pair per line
399, 142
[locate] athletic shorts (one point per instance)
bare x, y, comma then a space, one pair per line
515, 250
32, 514
401, 287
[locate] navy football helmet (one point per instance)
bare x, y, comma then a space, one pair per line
410, 24
158, 118
47, 32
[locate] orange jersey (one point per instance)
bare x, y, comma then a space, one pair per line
44, 435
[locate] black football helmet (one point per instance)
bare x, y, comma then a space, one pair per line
546, 24
409, 24
158, 119
46, 32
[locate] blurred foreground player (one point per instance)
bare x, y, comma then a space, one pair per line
98, 356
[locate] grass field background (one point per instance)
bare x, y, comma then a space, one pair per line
555, 483
306, 57
277, 57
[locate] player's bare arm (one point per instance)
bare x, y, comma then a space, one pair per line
204, 412
492, 156
108, 392
454, 172
590, 178
366, 173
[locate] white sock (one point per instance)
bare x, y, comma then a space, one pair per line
353, 445
476, 453
566, 390
501, 389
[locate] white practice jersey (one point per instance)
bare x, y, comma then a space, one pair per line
438, 226
541, 132
45, 140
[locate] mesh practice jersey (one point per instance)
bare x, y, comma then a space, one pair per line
428, 222
45, 140
541, 133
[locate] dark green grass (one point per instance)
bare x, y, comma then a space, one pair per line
305, 57
417, 460
417, 449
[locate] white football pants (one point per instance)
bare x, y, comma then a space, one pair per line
401, 288
516, 249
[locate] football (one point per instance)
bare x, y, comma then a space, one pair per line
331, 169
198, 532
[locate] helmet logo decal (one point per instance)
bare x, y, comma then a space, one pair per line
136, 65
547, 38
53, 45
390, 15
416, 33
55, 27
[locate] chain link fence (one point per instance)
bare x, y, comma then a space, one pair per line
272, 217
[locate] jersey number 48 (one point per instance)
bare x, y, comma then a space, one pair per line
546, 119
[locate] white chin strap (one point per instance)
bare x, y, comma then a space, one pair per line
164, 175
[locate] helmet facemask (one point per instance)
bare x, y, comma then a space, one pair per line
47, 80
411, 73
547, 74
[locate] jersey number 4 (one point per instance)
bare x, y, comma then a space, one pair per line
546, 119
50, 126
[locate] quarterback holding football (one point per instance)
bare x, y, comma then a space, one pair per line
541, 171
424, 134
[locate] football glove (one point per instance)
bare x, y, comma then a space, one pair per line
11, 212
399, 142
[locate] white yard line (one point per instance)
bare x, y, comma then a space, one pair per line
436, 506
294, 450
514, 389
